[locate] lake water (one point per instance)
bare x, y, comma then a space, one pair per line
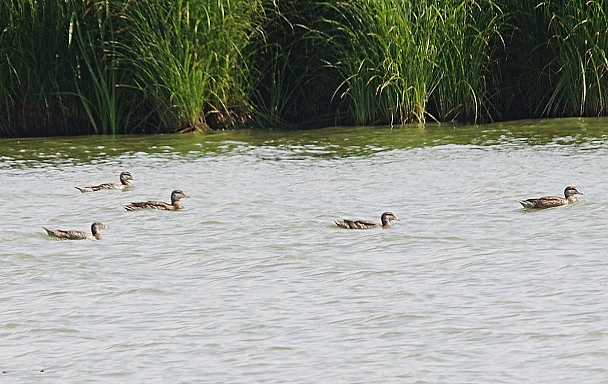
253, 283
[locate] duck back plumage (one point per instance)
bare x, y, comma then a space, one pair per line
357, 224
160, 205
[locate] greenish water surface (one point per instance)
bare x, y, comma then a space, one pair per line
252, 281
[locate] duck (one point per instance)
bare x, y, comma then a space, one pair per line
78, 235
175, 205
125, 177
552, 201
364, 224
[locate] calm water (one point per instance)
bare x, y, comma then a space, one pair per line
253, 283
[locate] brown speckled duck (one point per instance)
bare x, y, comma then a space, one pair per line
125, 177
364, 224
552, 201
174, 206
78, 235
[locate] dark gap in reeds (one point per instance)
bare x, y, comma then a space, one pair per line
114, 67
295, 86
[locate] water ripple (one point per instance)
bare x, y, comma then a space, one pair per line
253, 282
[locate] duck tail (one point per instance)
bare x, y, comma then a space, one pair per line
526, 204
83, 190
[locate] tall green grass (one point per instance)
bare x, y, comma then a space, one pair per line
34, 67
122, 66
554, 63
578, 44
96, 72
188, 57
405, 61
384, 63
469, 34
117, 66
59, 69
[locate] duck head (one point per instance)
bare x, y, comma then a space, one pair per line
177, 194
126, 176
571, 191
95, 227
387, 217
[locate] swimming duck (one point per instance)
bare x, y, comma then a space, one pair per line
124, 183
174, 206
78, 235
364, 224
552, 201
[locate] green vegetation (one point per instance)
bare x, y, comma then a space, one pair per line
577, 45
74, 67
187, 58
70, 67
402, 61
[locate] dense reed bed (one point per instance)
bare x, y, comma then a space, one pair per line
404, 61
118, 66
554, 60
74, 67
578, 46
188, 59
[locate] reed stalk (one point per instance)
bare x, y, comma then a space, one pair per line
468, 35
187, 57
404, 61
578, 43
34, 66
384, 64
121, 66
95, 67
